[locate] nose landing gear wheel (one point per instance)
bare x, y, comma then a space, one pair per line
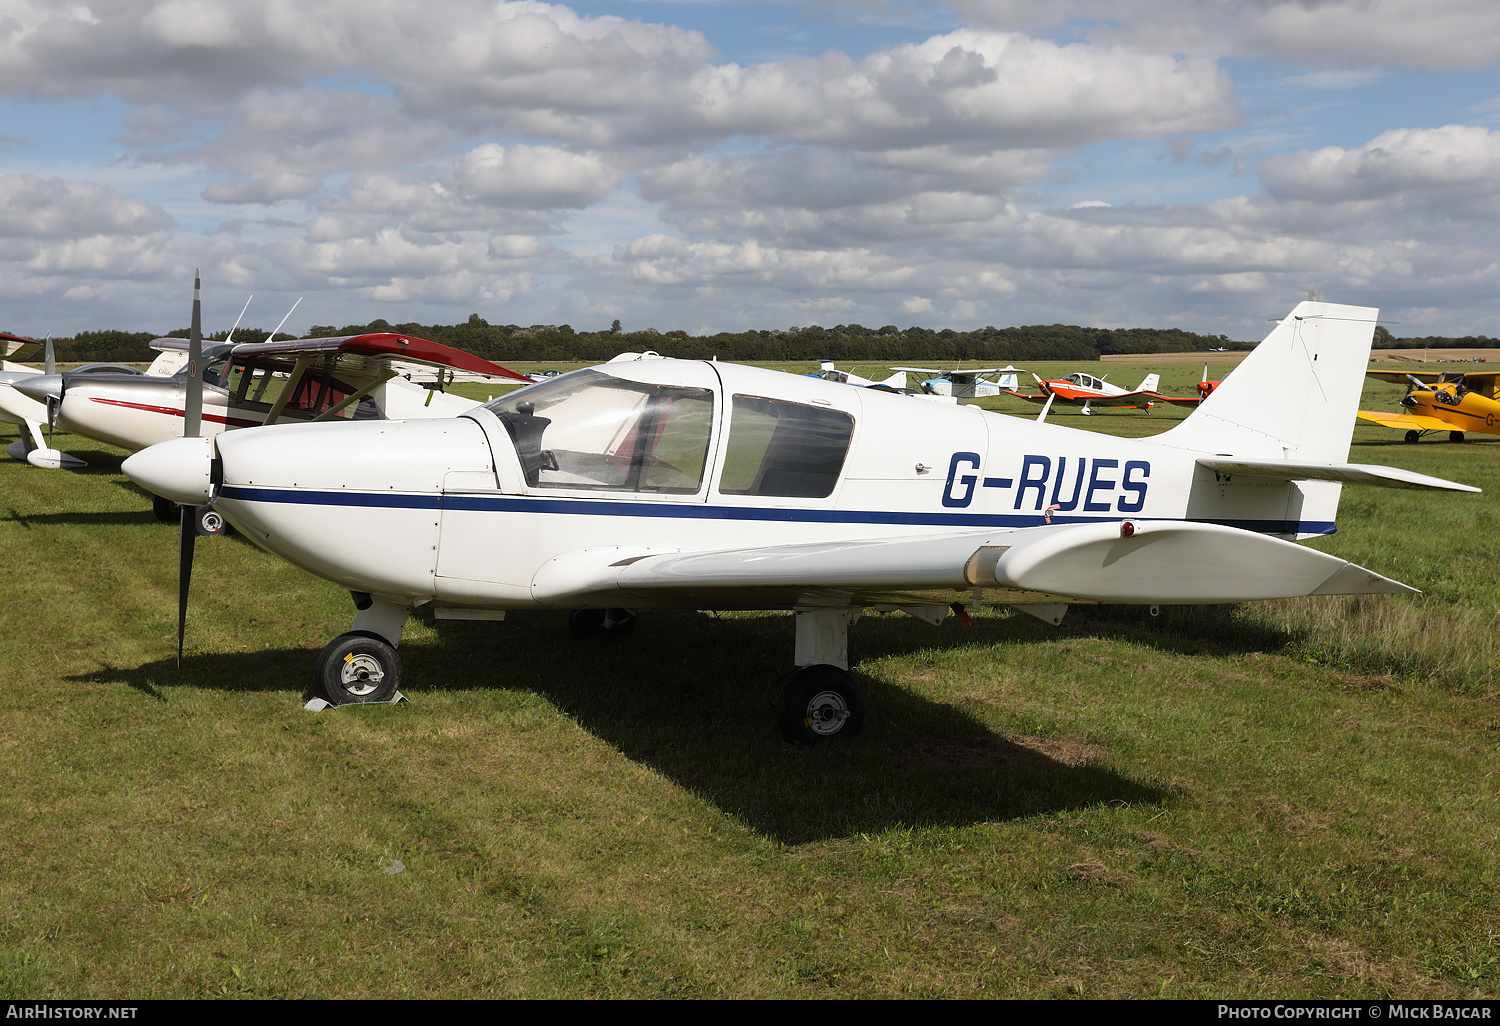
210, 521
358, 667
820, 703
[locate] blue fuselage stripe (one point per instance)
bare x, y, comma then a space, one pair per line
702, 511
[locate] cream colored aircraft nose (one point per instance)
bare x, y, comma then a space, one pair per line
178, 469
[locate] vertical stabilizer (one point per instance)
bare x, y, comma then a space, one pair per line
1295, 396
1150, 383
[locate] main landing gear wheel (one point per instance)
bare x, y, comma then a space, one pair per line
1412, 436
820, 703
1455, 436
596, 623
358, 667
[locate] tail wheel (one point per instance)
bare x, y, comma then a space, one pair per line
820, 703
358, 667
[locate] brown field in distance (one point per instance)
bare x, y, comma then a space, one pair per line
1413, 355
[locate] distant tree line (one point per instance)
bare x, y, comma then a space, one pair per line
845, 343
1384, 340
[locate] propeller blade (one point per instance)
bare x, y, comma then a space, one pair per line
193, 409
1036, 377
52, 405
188, 535
49, 362
1046, 407
1417, 383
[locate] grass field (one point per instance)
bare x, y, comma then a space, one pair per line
1281, 799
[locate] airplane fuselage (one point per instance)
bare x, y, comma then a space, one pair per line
448, 511
134, 412
1466, 411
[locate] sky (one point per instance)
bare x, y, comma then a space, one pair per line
713, 166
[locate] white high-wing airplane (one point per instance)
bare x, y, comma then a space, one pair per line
652, 483
30, 414
965, 384
255, 383
828, 372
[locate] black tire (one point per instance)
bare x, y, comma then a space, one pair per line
590, 623
358, 667
820, 703
210, 521
165, 510
1412, 436
1455, 436
329, 648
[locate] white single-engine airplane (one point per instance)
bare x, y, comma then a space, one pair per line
30, 414
828, 372
1091, 391
964, 384
653, 483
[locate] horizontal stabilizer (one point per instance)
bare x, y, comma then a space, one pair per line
1348, 473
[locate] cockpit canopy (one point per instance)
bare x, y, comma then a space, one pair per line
594, 429
1085, 381
589, 429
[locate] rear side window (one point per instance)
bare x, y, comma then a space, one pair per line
786, 449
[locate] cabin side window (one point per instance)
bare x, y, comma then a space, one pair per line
594, 431
778, 448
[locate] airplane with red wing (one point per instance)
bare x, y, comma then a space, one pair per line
1089, 391
251, 384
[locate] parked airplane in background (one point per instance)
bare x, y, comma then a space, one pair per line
254, 383
1206, 387
828, 372
1090, 391
651, 483
30, 414
964, 384
1448, 401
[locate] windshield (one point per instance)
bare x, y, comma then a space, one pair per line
215, 359
592, 430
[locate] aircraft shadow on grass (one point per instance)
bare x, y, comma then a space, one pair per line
95, 519
668, 699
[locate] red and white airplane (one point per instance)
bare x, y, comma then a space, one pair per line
355, 377
28, 414
1085, 389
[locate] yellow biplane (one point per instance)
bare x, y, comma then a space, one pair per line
1450, 401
